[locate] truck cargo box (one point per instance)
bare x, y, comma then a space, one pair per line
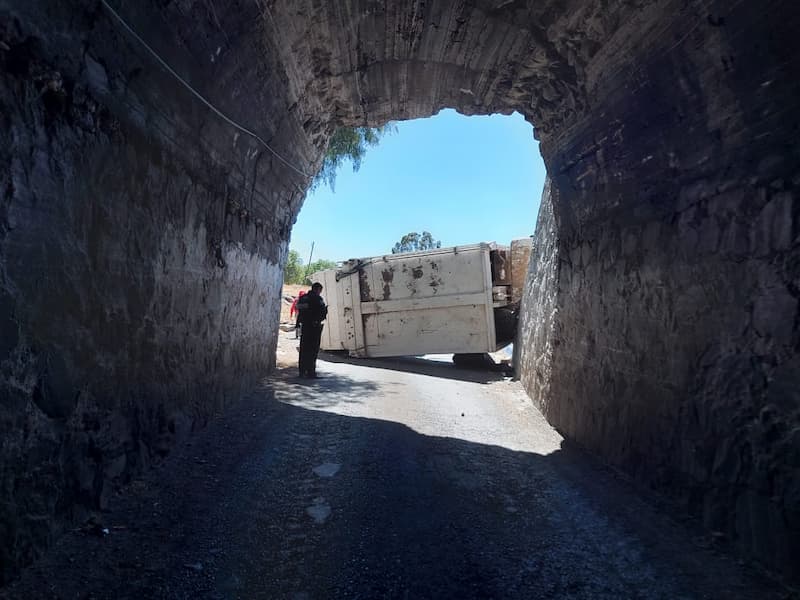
437, 301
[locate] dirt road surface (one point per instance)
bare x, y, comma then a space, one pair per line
385, 479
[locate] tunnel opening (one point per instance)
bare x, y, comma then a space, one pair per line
466, 180
143, 238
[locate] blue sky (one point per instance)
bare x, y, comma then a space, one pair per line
464, 179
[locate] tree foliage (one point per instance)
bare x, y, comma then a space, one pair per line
415, 242
348, 143
320, 265
296, 273
293, 272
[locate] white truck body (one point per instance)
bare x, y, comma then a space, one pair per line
437, 301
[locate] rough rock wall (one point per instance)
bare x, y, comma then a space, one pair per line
675, 345
533, 346
141, 249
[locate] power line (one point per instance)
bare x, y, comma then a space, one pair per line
197, 94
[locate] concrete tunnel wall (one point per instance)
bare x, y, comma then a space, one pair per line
142, 237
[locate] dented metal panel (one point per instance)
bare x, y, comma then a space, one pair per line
408, 304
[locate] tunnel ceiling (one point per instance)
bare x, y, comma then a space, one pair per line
368, 62
363, 63
589, 75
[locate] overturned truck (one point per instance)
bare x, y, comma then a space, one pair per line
459, 300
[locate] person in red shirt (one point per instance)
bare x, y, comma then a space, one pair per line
293, 311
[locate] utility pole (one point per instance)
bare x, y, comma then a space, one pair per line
310, 255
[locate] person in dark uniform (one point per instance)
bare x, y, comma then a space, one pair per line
311, 313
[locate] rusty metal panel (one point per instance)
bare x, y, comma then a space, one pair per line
428, 274
501, 266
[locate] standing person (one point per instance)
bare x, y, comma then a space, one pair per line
311, 313
293, 311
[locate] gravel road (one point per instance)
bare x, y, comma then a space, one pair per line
401, 478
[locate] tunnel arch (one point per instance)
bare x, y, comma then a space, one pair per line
667, 250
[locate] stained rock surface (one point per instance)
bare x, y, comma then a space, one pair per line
142, 236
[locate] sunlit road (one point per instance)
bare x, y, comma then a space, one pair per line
385, 479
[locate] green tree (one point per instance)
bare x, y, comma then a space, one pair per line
318, 265
348, 143
415, 242
293, 272
296, 273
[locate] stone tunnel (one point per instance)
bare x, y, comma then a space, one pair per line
143, 231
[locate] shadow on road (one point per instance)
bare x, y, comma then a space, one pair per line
231, 514
328, 390
421, 366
